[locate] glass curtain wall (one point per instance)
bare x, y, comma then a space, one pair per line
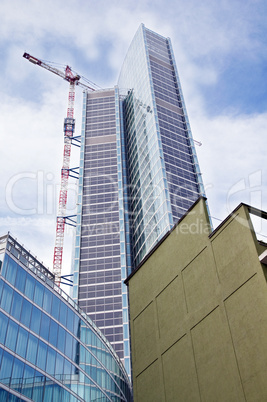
163, 173
100, 232
48, 350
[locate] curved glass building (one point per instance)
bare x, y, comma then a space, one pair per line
49, 349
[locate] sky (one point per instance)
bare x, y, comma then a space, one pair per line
220, 49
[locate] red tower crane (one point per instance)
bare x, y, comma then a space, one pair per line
69, 125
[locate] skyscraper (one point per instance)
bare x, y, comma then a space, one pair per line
138, 175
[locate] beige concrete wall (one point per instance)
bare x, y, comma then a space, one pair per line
198, 309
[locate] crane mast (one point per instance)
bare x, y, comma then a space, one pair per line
69, 127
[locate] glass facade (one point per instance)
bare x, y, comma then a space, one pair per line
100, 240
49, 349
139, 174
162, 168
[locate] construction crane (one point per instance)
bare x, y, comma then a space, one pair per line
69, 126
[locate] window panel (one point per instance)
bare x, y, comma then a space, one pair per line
45, 324
32, 348
48, 392
3, 395
63, 313
11, 336
20, 279
39, 380
47, 301
55, 307
53, 332
70, 319
3, 327
29, 286
6, 298
22, 342
6, 367
51, 361
17, 375
41, 355
16, 305
35, 320
61, 339
68, 345
38, 294
26, 312
59, 366
28, 381
11, 271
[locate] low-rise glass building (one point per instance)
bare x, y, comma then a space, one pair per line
49, 349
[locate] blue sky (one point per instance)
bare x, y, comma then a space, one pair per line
221, 51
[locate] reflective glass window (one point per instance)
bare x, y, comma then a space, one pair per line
41, 355
45, 324
37, 392
38, 294
16, 305
20, 279
57, 393
6, 367
1, 287
26, 312
29, 286
4, 266
11, 271
67, 368
55, 307
35, 320
69, 345
59, 366
70, 319
11, 335
65, 395
61, 339
47, 302
53, 333
63, 314
22, 342
48, 392
3, 327
50, 361
28, 380
6, 298
3, 395
17, 375
32, 348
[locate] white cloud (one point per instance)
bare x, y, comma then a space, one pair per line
232, 160
205, 35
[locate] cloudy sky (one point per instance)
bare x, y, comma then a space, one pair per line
221, 53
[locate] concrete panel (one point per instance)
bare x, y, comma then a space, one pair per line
201, 283
149, 386
144, 339
184, 243
235, 254
216, 365
247, 314
171, 320
180, 379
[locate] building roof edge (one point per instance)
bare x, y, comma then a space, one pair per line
163, 238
